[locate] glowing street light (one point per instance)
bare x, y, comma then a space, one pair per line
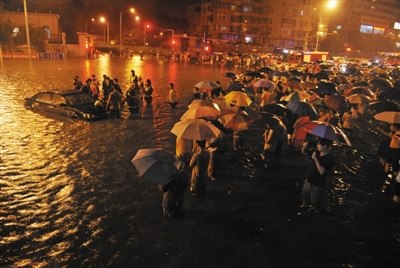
131, 10
104, 20
86, 24
331, 4
145, 26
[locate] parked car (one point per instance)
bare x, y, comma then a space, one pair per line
73, 104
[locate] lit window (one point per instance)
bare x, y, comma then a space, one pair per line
15, 32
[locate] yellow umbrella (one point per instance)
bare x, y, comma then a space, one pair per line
236, 121
238, 98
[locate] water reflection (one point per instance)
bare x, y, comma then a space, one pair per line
68, 189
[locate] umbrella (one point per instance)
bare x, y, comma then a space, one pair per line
381, 83
231, 75
329, 132
307, 85
264, 83
294, 79
271, 119
235, 86
238, 98
199, 102
206, 112
320, 75
358, 98
206, 85
337, 103
195, 129
276, 109
391, 117
360, 90
382, 106
361, 84
279, 73
265, 70
302, 127
236, 121
254, 74
296, 72
326, 88
302, 108
297, 96
156, 165
390, 93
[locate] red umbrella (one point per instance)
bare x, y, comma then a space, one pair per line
322, 130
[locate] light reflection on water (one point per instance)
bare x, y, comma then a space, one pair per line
66, 185
60, 179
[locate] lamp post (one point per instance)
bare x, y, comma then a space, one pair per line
331, 4
28, 39
103, 20
173, 32
131, 10
86, 25
145, 26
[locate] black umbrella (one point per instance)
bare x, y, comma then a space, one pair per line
254, 74
320, 75
381, 83
391, 94
296, 72
354, 71
235, 86
231, 75
265, 70
361, 84
276, 109
279, 73
272, 119
294, 79
302, 108
326, 88
382, 106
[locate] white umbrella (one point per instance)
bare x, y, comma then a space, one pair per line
195, 129
156, 165
206, 112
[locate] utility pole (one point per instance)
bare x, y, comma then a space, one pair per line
28, 39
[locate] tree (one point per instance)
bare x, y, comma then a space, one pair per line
12, 36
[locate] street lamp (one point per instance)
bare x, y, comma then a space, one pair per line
103, 20
331, 4
173, 33
86, 25
131, 10
145, 26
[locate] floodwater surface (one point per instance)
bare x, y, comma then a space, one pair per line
70, 196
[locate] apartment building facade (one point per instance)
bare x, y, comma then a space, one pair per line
295, 24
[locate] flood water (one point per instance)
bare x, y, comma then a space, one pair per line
68, 191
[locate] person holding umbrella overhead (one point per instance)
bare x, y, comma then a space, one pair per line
199, 164
313, 188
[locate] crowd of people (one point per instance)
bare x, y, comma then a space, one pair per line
108, 94
267, 90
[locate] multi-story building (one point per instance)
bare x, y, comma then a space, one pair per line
301, 24
237, 21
